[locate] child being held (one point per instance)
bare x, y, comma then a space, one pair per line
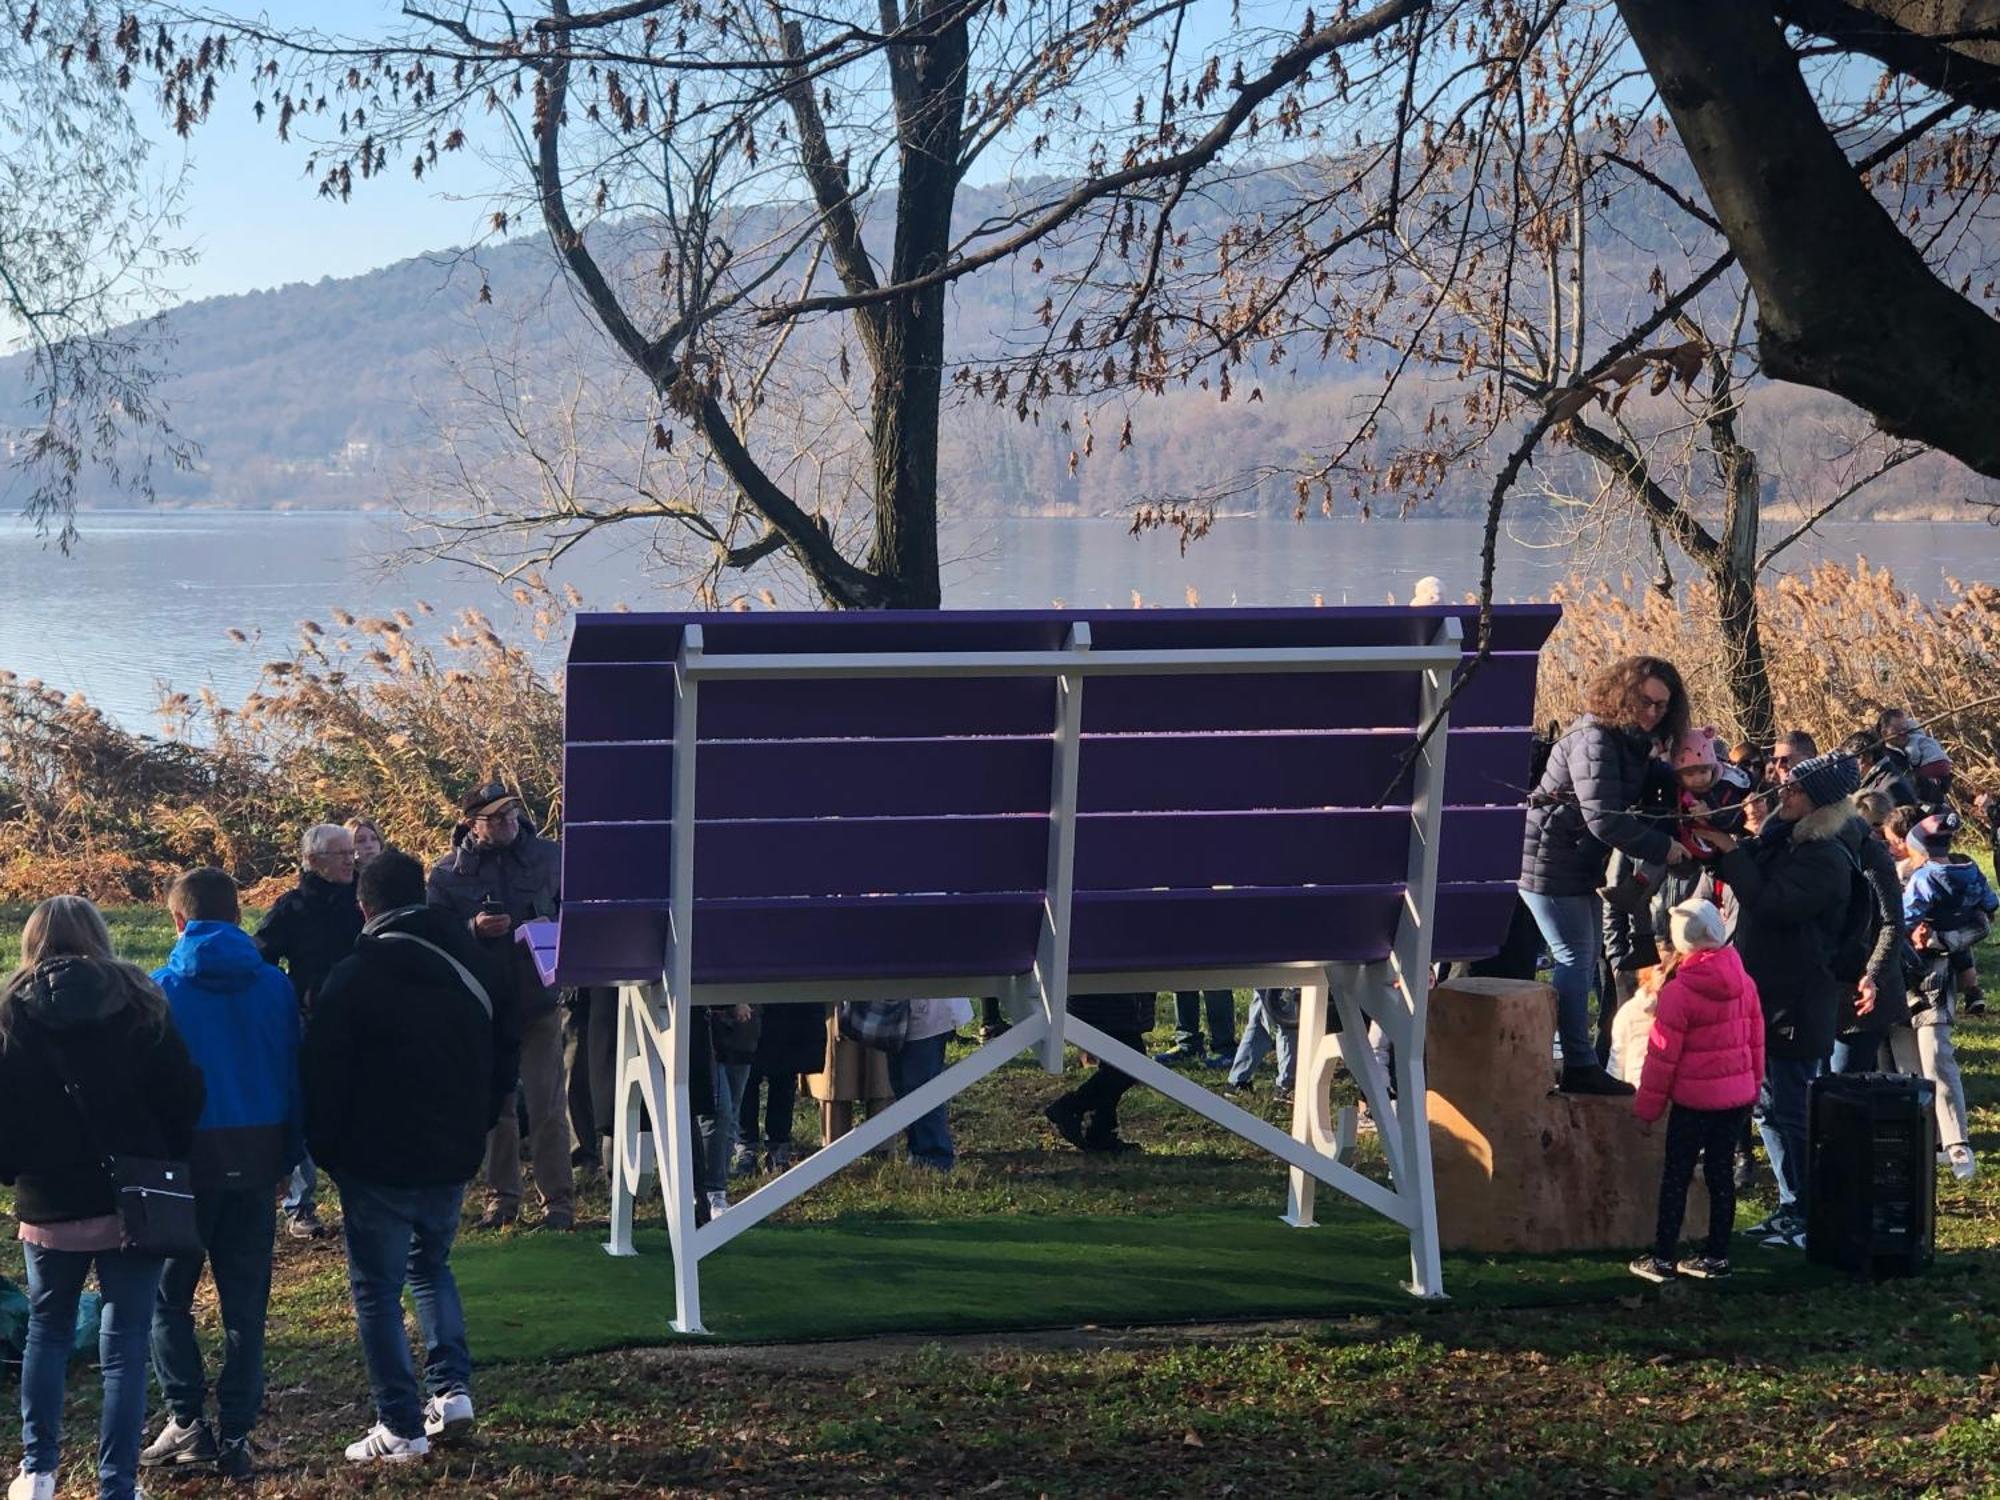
1706, 1058
1948, 902
1701, 793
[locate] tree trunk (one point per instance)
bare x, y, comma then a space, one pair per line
1844, 301
929, 87
1749, 674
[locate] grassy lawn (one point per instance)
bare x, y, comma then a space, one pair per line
1539, 1378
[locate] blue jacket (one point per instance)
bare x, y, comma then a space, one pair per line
240, 1020
1948, 893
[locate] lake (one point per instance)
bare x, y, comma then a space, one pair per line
146, 598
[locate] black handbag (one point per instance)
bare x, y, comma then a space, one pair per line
155, 1198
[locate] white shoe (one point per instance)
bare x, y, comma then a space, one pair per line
28, 1486
1962, 1163
718, 1202
383, 1446
448, 1418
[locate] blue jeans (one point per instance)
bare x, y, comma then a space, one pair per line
236, 1230
909, 1070
1859, 1053
718, 1131
1260, 1035
1781, 1119
302, 1197
396, 1235
55, 1286
1572, 928
1220, 1007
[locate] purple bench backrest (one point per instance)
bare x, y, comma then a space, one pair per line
851, 828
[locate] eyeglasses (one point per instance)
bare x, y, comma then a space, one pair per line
1782, 761
1659, 702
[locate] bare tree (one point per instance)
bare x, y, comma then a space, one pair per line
86, 231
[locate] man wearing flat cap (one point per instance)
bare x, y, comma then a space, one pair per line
499, 874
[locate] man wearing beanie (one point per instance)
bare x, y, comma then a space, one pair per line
1792, 885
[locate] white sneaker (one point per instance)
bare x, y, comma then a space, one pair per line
28, 1486
383, 1446
1963, 1164
448, 1418
717, 1202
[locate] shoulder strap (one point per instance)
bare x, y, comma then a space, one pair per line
465, 975
53, 1054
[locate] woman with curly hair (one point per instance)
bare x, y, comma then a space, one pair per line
1585, 807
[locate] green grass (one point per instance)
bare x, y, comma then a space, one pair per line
1540, 1377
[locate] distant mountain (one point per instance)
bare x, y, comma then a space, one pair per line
331, 394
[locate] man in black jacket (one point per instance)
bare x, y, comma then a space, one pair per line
307, 931
1793, 884
499, 874
409, 1052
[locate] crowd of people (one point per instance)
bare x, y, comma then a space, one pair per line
1794, 911
1783, 911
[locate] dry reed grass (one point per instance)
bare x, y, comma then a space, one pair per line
364, 717
1842, 644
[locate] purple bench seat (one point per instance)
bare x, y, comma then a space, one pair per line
899, 826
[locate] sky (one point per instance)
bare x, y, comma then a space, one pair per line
258, 221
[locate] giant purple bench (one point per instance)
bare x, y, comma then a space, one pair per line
785, 808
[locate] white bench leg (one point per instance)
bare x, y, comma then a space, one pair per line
677, 1179
1317, 1054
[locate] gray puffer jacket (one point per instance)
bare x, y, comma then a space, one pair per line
1582, 810
525, 878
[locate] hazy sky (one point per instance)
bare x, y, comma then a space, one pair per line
258, 220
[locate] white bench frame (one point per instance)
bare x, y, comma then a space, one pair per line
653, 1034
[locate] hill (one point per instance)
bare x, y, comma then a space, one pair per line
336, 393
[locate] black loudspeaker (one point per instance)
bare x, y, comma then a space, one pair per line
1871, 1173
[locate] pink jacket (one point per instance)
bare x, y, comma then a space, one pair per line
1707, 1047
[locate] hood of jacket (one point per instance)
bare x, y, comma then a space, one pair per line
61, 993
1821, 825
215, 956
1713, 973
1955, 877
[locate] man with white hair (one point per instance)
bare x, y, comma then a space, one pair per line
308, 930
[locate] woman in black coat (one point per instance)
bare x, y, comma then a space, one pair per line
73, 1014
1584, 808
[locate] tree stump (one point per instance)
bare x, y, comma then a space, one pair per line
1519, 1167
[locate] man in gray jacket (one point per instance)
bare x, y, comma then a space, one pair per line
499, 874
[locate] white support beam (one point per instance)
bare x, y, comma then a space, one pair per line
1052, 949
680, 874
677, 1179
1410, 961
1259, 659
1317, 1055
878, 1129
1260, 1133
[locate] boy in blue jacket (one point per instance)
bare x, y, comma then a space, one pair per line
240, 1020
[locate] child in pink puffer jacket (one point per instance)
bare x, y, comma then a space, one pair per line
1706, 1057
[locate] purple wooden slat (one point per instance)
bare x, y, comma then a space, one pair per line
802, 857
604, 701
1352, 768
1127, 773
872, 778
876, 708
1137, 851
606, 944
618, 783
746, 941
1208, 929
773, 941
1501, 695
